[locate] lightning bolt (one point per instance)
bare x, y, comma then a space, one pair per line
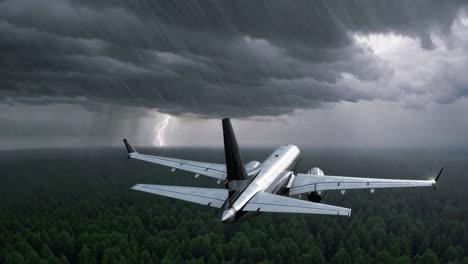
160, 130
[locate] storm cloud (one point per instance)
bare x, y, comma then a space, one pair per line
236, 58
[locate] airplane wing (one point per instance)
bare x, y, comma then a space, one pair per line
267, 202
206, 196
304, 183
213, 170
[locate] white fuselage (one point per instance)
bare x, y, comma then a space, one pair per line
273, 177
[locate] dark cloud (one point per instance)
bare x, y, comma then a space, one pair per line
210, 58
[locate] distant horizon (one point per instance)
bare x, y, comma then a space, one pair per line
242, 147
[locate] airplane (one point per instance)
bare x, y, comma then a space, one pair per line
255, 187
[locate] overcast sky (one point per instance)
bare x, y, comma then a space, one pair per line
374, 73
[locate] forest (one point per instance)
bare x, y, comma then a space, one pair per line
75, 206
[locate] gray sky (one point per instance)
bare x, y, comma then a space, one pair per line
314, 73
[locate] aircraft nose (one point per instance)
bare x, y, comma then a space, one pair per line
228, 216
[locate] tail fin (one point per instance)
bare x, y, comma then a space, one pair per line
234, 163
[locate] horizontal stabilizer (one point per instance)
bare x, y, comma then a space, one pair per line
267, 202
206, 196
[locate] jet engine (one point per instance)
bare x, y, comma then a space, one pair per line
315, 171
315, 197
253, 168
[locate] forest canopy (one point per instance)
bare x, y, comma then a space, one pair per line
75, 206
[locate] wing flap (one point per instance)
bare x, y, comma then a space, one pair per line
213, 170
206, 196
310, 183
267, 202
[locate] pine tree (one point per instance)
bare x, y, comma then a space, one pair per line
317, 255
14, 258
429, 257
212, 260
85, 255
383, 257
341, 257
402, 260
45, 252
145, 257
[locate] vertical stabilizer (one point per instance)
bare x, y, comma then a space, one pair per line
234, 163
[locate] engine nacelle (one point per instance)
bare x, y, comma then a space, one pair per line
253, 168
315, 171
315, 197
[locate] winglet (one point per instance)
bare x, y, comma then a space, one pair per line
438, 175
129, 147
437, 178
